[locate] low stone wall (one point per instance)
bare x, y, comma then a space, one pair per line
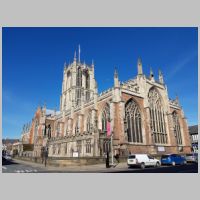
65, 161
52, 161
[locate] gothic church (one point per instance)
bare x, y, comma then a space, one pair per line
135, 116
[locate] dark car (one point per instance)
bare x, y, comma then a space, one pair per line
173, 159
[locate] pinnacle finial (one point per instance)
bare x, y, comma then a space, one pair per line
92, 62
116, 73
79, 53
65, 64
161, 80
160, 72
151, 72
139, 63
177, 98
75, 56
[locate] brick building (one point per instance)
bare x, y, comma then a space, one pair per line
137, 115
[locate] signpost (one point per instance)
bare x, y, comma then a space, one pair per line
75, 154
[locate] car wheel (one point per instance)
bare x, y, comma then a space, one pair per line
142, 165
173, 163
157, 164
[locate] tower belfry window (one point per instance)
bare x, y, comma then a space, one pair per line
79, 77
78, 84
87, 85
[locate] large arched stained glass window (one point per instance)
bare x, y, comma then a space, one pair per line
134, 125
157, 118
177, 128
105, 118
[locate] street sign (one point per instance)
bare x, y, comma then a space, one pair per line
75, 154
161, 149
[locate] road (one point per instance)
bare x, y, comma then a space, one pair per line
28, 167
189, 168
15, 167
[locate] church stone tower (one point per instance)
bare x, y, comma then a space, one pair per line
78, 86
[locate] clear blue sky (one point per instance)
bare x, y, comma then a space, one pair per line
33, 61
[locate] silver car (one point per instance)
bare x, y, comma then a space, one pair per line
192, 157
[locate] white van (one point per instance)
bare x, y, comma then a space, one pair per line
142, 160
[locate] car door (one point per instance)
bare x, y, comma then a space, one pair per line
151, 160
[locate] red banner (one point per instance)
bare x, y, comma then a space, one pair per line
108, 129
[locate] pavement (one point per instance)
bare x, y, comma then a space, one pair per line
19, 166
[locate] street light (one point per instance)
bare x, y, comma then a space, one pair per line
111, 144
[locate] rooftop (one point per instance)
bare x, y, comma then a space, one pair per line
193, 129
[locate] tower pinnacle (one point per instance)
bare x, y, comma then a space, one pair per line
161, 80
139, 65
116, 79
75, 56
116, 74
79, 53
151, 72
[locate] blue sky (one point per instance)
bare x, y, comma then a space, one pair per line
33, 60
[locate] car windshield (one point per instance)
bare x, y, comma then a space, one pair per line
150, 157
131, 157
165, 156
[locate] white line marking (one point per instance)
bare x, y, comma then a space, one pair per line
4, 167
35, 170
22, 171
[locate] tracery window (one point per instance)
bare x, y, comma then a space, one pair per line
59, 129
134, 124
76, 127
59, 149
79, 77
157, 118
65, 148
88, 123
177, 128
79, 146
66, 129
88, 146
105, 118
48, 131
54, 149
87, 77
78, 84
68, 80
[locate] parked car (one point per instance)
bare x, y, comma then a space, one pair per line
192, 157
173, 159
8, 157
142, 160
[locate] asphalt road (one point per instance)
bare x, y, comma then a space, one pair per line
189, 168
14, 167
19, 167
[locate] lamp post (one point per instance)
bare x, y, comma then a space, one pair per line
111, 144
